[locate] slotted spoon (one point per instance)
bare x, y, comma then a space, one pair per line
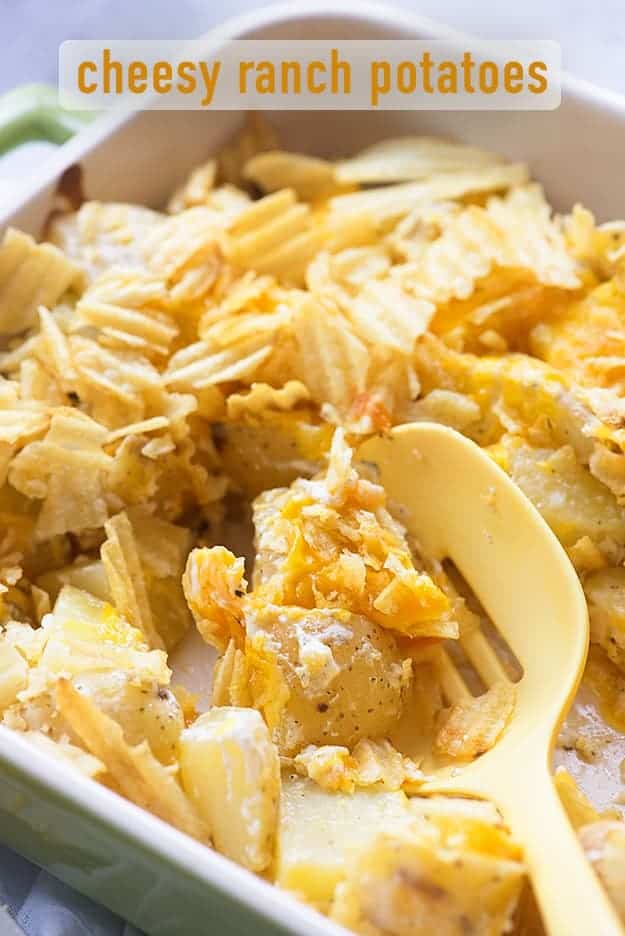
463, 507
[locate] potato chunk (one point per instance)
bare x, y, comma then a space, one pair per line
321, 830
422, 881
13, 674
344, 676
571, 500
110, 664
270, 449
604, 844
88, 576
231, 772
586, 339
324, 837
605, 594
146, 711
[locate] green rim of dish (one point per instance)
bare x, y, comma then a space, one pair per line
32, 112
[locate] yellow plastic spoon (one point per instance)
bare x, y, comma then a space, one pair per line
462, 506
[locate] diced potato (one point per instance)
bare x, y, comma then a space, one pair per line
606, 680
604, 844
573, 503
134, 770
76, 605
585, 338
13, 674
110, 663
146, 711
605, 594
329, 661
320, 831
578, 807
86, 635
258, 454
421, 881
88, 576
231, 771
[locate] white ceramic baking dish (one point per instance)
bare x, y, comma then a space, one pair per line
102, 845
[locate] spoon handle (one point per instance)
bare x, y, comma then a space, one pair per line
571, 897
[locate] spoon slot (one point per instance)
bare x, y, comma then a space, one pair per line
484, 646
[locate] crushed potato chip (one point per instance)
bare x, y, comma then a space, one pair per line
274, 235
185, 250
196, 190
395, 201
120, 558
261, 397
330, 542
330, 359
214, 585
309, 177
31, 275
408, 158
372, 763
129, 312
473, 727
66, 470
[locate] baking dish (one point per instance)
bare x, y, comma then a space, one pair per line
100, 844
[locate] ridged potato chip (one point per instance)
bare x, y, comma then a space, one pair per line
275, 235
200, 365
66, 470
309, 177
472, 727
255, 136
31, 275
330, 360
409, 158
128, 310
196, 190
395, 201
184, 249
121, 561
261, 397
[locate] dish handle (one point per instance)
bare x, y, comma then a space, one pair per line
32, 112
